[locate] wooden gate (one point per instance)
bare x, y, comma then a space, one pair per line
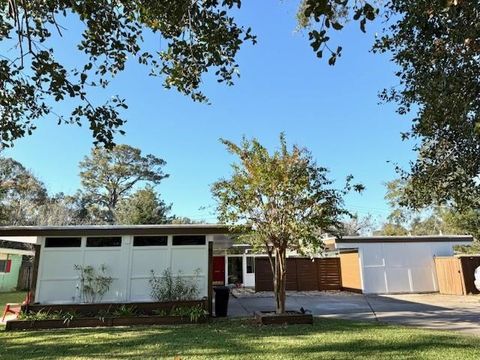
350, 265
303, 274
455, 275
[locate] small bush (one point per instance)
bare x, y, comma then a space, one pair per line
125, 310
174, 288
195, 313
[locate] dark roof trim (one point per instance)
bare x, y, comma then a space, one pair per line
347, 251
87, 230
423, 238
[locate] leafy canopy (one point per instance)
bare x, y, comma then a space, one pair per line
436, 48
195, 37
108, 176
284, 197
432, 220
143, 207
21, 194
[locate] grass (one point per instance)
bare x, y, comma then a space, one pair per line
11, 297
241, 339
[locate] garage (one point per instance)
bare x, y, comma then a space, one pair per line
399, 264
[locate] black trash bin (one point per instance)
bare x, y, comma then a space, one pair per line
221, 300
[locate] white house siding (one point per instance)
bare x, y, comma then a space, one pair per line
399, 267
129, 266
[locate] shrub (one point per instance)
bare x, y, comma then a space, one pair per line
125, 310
93, 285
174, 288
195, 313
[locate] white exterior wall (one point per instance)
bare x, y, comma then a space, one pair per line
399, 267
129, 266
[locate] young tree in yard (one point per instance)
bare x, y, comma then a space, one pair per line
143, 207
108, 176
281, 201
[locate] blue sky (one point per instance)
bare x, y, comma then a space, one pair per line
333, 111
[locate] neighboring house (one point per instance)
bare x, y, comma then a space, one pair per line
393, 264
130, 253
11, 255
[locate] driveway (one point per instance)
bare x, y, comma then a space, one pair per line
434, 311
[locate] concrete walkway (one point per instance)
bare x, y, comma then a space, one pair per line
433, 311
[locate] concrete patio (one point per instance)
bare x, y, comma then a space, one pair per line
433, 311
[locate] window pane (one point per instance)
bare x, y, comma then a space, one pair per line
189, 240
150, 241
62, 242
250, 265
3, 266
104, 241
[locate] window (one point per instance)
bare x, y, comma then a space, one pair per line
63, 242
150, 240
5, 266
189, 240
104, 241
250, 265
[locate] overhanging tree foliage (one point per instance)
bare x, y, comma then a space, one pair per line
436, 46
282, 201
194, 37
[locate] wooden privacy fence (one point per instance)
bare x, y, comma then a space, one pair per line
455, 274
25, 274
303, 274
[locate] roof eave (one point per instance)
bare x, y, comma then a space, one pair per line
89, 230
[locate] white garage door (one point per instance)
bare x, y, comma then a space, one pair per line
398, 267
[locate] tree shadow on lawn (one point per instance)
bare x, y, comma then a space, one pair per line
238, 339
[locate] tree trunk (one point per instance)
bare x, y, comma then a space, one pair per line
280, 280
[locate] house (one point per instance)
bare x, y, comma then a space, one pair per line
129, 254
372, 264
393, 264
11, 260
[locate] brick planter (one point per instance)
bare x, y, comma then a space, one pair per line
289, 318
95, 322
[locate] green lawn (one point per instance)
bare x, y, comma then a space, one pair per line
240, 339
11, 297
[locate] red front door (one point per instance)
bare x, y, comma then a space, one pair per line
218, 270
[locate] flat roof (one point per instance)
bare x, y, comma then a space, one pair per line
407, 238
86, 230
